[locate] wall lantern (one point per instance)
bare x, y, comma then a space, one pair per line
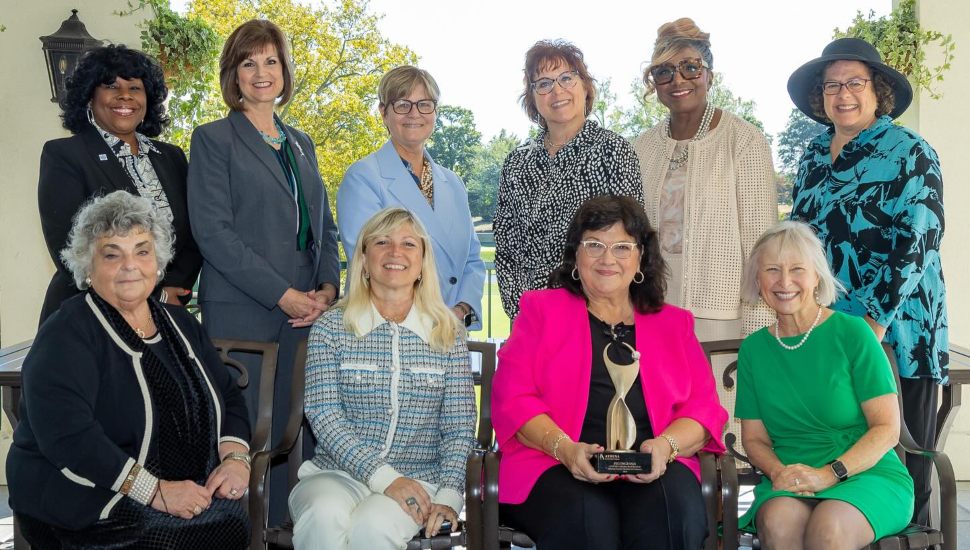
63, 49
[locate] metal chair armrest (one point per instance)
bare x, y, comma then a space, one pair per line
709, 484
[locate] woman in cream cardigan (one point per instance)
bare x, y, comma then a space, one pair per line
707, 185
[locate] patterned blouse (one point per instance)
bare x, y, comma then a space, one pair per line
538, 196
878, 210
139, 168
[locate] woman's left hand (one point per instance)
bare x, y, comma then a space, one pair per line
659, 450
803, 480
230, 480
436, 516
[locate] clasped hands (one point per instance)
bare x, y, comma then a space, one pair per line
576, 455
802, 480
303, 308
416, 503
186, 499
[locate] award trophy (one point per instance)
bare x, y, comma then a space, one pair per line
621, 430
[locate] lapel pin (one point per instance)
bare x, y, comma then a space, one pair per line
102, 156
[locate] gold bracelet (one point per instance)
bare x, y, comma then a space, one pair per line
674, 447
555, 446
241, 456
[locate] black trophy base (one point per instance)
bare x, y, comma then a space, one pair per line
621, 462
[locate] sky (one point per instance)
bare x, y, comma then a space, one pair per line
476, 49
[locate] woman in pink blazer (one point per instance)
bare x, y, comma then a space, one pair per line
603, 314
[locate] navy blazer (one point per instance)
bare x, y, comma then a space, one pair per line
73, 170
380, 180
244, 215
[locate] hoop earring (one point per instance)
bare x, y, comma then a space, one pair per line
642, 277
91, 116
575, 274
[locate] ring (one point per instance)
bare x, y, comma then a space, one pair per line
196, 510
796, 481
411, 501
233, 491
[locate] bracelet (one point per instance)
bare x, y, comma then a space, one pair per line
674, 447
555, 445
241, 456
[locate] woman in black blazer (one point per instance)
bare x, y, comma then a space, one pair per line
114, 104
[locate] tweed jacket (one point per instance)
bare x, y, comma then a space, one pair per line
76, 169
380, 180
87, 415
545, 368
730, 200
385, 404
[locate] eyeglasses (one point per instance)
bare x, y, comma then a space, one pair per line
689, 69
621, 250
566, 80
404, 106
854, 85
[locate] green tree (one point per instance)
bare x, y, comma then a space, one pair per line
486, 170
339, 57
455, 141
793, 140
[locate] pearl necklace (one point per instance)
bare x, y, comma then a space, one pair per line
818, 316
681, 159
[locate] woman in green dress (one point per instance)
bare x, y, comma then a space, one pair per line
818, 409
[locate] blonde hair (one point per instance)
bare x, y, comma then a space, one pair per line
671, 39
427, 293
800, 239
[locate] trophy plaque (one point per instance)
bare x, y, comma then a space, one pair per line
621, 430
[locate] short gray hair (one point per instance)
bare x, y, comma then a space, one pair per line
116, 213
801, 239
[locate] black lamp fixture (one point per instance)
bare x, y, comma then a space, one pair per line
63, 49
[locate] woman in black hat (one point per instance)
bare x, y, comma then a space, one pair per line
874, 192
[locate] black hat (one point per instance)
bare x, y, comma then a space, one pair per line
803, 81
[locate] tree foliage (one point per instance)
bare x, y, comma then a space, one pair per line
793, 140
902, 43
339, 57
455, 141
486, 170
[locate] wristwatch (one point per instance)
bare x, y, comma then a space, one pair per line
469, 316
839, 470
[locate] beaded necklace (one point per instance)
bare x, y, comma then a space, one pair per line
681, 159
270, 140
818, 316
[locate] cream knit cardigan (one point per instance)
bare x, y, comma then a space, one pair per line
729, 201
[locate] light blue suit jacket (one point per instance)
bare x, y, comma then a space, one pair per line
379, 181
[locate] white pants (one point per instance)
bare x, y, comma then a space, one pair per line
333, 511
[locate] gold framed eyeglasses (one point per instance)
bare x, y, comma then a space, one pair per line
620, 250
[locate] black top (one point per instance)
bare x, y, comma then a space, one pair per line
601, 389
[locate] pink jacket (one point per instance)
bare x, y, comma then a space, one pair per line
544, 367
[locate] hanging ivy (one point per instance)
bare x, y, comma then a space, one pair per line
902, 42
186, 47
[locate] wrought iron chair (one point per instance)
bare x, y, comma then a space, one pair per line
264, 536
735, 470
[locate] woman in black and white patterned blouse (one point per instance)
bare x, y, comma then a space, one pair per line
545, 180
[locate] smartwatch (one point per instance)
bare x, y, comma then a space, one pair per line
841, 473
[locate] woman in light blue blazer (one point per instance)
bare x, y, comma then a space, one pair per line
401, 173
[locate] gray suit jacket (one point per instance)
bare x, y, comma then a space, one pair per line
243, 215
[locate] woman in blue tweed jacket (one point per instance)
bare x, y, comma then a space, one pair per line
389, 397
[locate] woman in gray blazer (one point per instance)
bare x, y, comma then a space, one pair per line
259, 212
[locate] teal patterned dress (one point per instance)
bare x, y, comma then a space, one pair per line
878, 210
